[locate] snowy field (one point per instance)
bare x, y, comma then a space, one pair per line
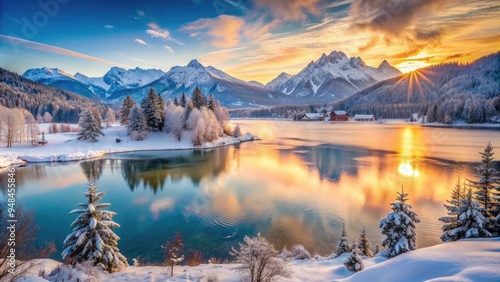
464, 260
64, 147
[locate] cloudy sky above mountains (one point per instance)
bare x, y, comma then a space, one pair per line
249, 39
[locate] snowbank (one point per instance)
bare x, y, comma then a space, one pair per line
63, 147
465, 260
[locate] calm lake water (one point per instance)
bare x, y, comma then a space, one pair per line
297, 185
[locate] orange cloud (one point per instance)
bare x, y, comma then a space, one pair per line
224, 29
290, 10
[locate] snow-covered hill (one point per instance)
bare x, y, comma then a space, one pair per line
332, 77
464, 260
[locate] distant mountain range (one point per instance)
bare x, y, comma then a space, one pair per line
64, 106
330, 78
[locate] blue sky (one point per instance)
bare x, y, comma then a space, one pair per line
250, 39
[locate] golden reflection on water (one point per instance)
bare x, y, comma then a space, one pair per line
315, 188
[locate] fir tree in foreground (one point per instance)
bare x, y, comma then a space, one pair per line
127, 105
92, 239
354, 262
487, 187
173, 252
153, 111
399, 228
453, 208
471, 222
343, 243
90, 125
364, 245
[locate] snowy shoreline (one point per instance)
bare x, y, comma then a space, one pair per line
463, 260
63, 147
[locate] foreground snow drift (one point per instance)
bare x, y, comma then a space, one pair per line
64, 147
465, 260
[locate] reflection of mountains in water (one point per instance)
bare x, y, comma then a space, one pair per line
152, 169
334, 160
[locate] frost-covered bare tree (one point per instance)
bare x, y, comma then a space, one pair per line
259, 260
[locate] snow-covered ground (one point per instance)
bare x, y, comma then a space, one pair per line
63, 147
464, 260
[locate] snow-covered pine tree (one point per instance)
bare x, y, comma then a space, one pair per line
136, 127
90, 128
211, 103
343, 243
92, 239
354, 262
453, 208
97, 116
377, 249
187, 111
176, 102
127, 106
471, 221
198, 98
488, 186
173, 252
109, 118
183, 101
399, 227
364, 244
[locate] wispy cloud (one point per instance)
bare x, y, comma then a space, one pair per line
140, 41
169, 49
156, 31
15, 42
225, 30
108, 26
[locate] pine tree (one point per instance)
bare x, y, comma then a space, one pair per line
90, 128
149, 106
127, 106
487, 188
377, 249
451, 221
187, 111
198, 98
160, 113
237, 131
211, 103
136, 127
471, 221
364, 244
343, 243
354, 262
97, 116
176, 102
183, 101
92, 238
399, 227
173, 252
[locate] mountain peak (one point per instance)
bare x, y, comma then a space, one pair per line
384, 65
195, 64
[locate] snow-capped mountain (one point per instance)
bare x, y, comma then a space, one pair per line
232, 92
47, 75
332, 77
119, 78
276, 83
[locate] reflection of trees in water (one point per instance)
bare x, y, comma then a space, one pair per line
334, 160
23, 174
153, 171
93, 169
